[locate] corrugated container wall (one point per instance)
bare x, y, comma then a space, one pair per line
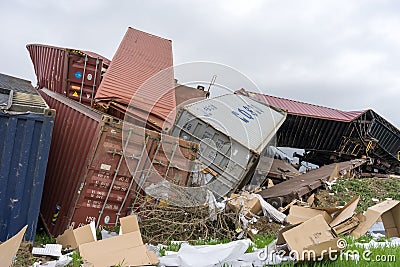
74, 73
141, 69
88, 178
26, 126
232, 131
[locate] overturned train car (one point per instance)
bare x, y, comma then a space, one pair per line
329, 135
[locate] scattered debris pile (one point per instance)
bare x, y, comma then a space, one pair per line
162, 223
212, 155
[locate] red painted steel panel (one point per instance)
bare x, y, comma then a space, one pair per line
136, 116
86, 165
139, 57
74, 73
303, 109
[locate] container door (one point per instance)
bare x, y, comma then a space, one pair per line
84, 76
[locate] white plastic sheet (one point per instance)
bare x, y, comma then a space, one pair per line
269, 210
206, 256
394, 242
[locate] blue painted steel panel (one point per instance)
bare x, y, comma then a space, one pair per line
24, 147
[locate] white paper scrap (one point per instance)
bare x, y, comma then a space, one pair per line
53, 250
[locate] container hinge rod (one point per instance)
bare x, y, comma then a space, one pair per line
115, 152
172, 158
94, 82
83, 79
132, 179
144, 178
133, 157
113, 181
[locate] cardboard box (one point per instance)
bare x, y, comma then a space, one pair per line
310, 235
9, 248
298, 214
127, 249
333, 216
280, 241
246, 202
389, 211
73, 238
346, 226
346, 212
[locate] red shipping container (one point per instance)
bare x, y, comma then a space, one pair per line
87, 176
74, 73
141, 69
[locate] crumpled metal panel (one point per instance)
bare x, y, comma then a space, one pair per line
304, 109
303, 184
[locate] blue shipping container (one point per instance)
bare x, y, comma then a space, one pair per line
26, 125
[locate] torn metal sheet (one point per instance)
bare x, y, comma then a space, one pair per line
283, 193
274, 169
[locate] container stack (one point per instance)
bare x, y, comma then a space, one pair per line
88, 178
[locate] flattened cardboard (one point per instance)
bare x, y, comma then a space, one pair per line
9, 248
110, 244
346, 212
84, 234
389, 211
330, 211
298, 214
73, 238
310, 233
127, 248
346, 226
335, 173
310, 200
321, 249
67, 239
128, 256
280, 241
129, 224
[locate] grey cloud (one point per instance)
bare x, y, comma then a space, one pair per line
342, 54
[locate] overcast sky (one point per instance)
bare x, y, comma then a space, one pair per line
341, 54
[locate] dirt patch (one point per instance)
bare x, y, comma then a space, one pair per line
25, 258
266, 227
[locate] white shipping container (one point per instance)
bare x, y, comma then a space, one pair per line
233, 130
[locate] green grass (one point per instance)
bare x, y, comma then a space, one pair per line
76, 260
261, 241
367, 188
23, 261
43, 239
370, 259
